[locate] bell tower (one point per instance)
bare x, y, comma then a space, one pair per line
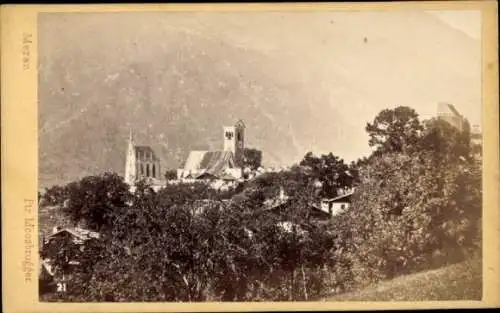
234, 141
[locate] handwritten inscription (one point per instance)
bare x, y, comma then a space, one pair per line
27, 42
29, 240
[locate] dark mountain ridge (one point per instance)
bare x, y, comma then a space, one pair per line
309, 83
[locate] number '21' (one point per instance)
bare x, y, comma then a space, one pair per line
61, 287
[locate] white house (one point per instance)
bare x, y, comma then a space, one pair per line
336, 205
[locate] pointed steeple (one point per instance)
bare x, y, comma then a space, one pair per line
131, 137
130, 163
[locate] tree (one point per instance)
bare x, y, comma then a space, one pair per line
73, 262
406, 210
445, 142
331, 171
394, 130
55, 195
185, 193
94, 200
171, 174
252, 158
167, 246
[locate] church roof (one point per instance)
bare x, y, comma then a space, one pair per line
446, 108
145, 150
240, 123
212, 163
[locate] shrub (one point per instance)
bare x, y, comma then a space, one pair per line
406, 210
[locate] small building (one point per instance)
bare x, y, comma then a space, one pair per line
450, 114
77, 235
476, 135
50, 278
336, 205
282, 204
476, 140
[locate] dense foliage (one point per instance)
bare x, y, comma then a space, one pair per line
417, 205
172, 247
94, 200
415, 208
330, 171
252, 158
171, 174
394, 130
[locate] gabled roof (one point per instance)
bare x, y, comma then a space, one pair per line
446, 108
340, 198
213, 161
193, 160
78, 233
240, 123
209, 163
278, 204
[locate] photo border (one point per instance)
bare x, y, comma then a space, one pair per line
19, 144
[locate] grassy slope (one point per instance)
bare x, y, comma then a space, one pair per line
462, 281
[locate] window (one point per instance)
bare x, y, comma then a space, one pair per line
238, 136
154, 171
342, 206
229, 135
142, 169
147, 170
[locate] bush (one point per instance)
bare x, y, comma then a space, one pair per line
406, 211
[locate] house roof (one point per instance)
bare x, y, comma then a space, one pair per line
277, 204
211, 163
316, 211
79, 233
339, 198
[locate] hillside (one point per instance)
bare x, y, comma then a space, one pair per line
310, 82
462, 281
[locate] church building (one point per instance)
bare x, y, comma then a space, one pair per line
450, 114
141, 164
226, 164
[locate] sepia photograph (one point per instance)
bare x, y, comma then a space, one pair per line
259, 156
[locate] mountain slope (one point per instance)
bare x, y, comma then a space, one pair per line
461, 281
309, 82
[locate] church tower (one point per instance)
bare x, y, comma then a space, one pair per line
234, 141
130, 163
